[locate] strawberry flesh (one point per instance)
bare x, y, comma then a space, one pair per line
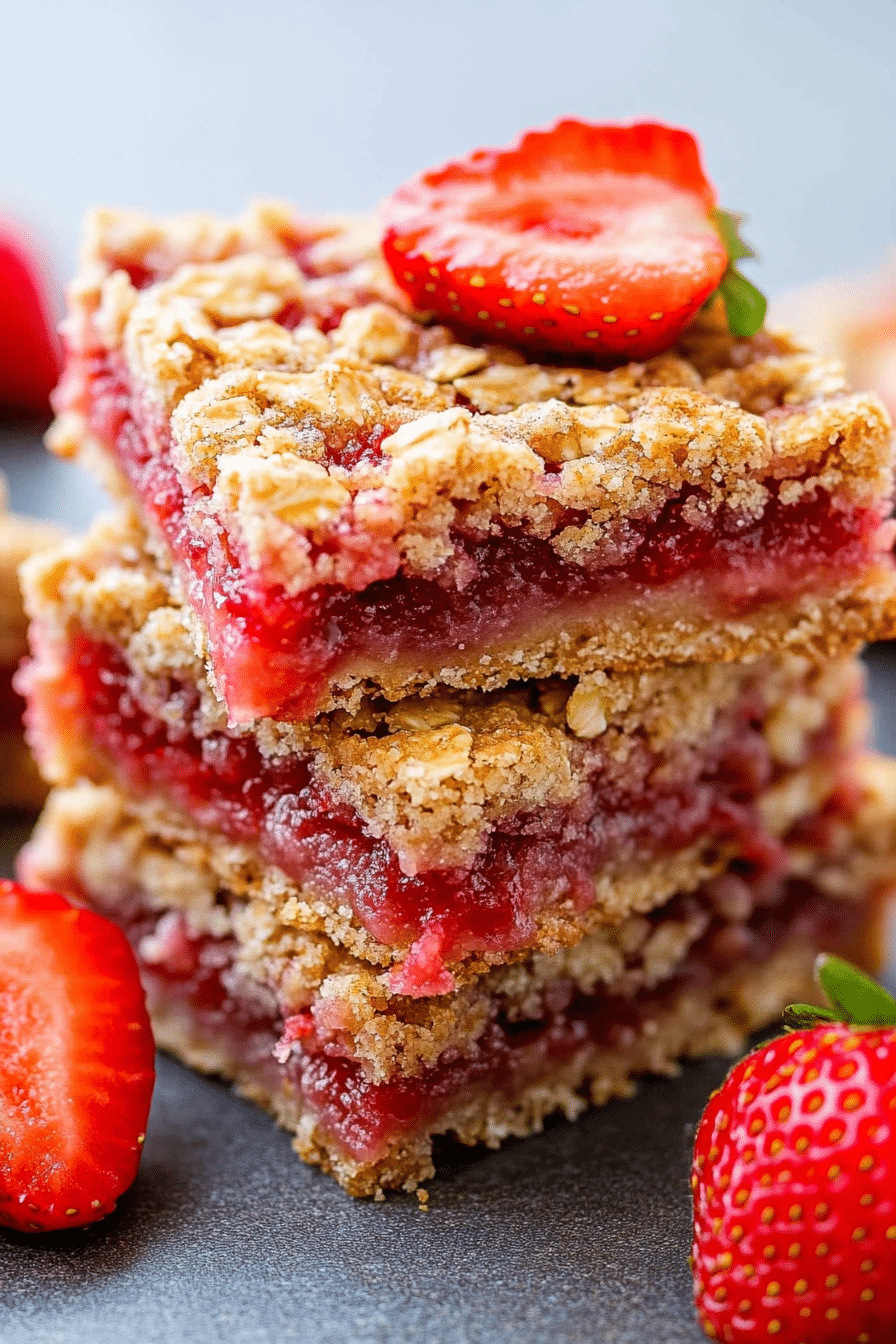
582, 238
76, 1063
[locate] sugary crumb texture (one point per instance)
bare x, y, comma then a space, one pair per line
322, 436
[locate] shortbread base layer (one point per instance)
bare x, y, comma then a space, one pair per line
637, 631
180, 908
126, 842
260, 672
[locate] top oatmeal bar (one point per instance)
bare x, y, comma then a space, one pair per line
356, 500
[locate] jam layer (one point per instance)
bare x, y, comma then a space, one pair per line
275, 652
622, 819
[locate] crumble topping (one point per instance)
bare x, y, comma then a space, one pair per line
145, 248
476, 438
432, 775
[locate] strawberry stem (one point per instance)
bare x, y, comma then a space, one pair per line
855, 998
803, 1016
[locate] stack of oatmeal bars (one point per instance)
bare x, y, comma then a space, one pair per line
456, 736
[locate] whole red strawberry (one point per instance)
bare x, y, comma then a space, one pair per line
76, 1063
29, 351
601, 240
794, 1179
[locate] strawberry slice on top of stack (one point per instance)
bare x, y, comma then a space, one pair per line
595, 240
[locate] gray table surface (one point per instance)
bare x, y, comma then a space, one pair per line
579, 1234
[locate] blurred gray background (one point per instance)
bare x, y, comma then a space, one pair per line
179, 104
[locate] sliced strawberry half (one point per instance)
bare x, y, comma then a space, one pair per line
579, 238
76, 1063
29, 351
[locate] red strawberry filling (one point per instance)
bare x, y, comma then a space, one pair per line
364, 1118
275, 653
653, 807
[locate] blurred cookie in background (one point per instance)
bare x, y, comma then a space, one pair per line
854, 318
21, 787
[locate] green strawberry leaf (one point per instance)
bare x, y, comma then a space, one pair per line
855, 998
854, 995
745, 305
728, 225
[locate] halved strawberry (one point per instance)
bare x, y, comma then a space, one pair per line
76, 1063
579, 238
29, 351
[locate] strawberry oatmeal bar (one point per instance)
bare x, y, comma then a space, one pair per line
355, 500
460, 712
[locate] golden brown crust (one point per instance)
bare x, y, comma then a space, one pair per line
431, 776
